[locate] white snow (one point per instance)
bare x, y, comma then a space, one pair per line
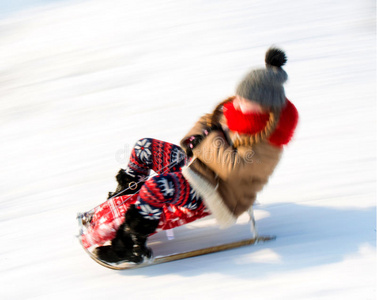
82, 81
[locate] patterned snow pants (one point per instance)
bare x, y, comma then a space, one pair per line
168, 186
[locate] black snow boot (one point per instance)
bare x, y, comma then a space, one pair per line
127, 184
120, 249
129, 244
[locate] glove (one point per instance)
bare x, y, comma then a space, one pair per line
192, 142
195, 140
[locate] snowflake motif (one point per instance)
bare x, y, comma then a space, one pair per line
192, 206
137, 176
143, 151
177, 155
167, 188
149, 213
130, 172
194, 194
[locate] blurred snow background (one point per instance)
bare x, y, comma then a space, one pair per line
81, 81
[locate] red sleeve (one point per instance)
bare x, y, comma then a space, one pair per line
286, 126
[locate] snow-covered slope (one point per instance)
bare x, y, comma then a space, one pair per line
82, 81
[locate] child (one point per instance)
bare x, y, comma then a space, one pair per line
232, 153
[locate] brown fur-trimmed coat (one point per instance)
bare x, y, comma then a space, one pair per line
228, 177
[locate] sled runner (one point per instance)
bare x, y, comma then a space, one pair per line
178, 256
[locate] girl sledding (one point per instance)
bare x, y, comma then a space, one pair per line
219, 168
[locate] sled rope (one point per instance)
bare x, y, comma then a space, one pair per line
145, 179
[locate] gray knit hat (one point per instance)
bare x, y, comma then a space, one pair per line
265, 86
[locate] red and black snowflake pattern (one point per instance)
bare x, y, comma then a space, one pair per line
107, 218
167, 196
166, 189
152, 154
169, 186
